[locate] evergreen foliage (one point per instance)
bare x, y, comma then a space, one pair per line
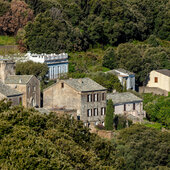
121, 122
109, 81
31, 68
109, 60
109, 115
78, 25
31, 140
158, 109
144, 148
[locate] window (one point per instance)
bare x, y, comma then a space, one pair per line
20, 100
133, 106
156, 79
78, 117
34, 88
89, 112
103, 109
62, 85
95, 112
89, 98
95, 97
103, 96
28, 89
124, 107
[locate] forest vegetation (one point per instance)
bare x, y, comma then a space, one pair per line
133, 35
31, 140
99, 35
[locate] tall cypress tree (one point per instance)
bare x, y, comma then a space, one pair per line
109, 115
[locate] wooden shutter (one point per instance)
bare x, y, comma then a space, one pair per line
93, 97
88, 113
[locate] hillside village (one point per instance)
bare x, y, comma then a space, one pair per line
84, 84
82, 98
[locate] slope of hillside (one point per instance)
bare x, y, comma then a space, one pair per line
30, 140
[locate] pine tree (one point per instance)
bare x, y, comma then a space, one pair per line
109, 115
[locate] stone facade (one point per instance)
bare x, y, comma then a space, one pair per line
129, 107
154, 90
30, 89
96, 106
127, 104
89, 104
6, 68
15, 99
159, 79
11, 94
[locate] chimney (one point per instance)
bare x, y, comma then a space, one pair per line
80, 81
6, 69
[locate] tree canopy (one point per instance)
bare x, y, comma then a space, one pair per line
32, 140
109, 115
78, 25
31, 68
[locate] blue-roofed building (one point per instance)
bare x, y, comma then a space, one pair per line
57, 63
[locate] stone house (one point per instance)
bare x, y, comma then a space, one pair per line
29, 85
127, 104
159, 79
125, 77
57, 63
84, 95
11, 94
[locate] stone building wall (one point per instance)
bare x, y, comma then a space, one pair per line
64, 97
163, 81
21, 88
2, 96
6, 68
153, 90
119, 108
93, 105
16, 100
31, 91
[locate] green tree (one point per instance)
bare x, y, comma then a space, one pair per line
153, 41
109, 59
109, 115
31, 68
108, 80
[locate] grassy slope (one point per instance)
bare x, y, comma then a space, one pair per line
8, 45
6, 40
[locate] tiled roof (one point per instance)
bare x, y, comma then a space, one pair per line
119, 98
164, 71
116, 71
8, 91
84, 84
18, 79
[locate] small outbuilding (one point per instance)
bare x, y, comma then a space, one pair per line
127, 104
11, 94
